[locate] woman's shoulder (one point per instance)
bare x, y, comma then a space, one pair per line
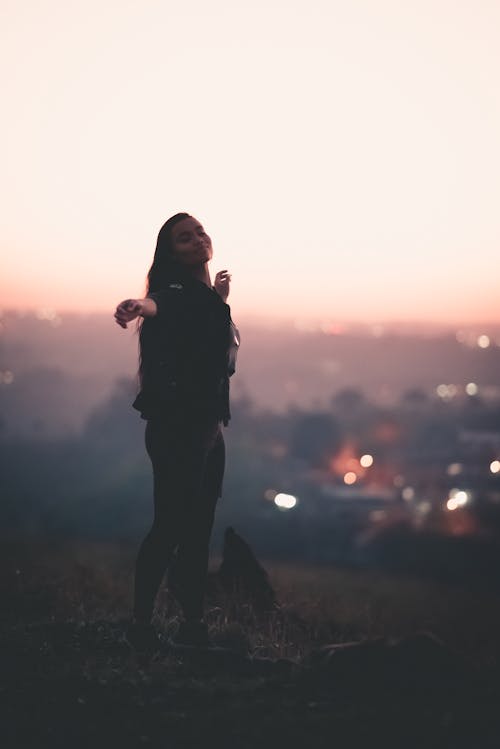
170, 292
170, 298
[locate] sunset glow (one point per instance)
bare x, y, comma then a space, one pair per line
344, 157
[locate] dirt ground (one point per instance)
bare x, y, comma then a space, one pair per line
69, 678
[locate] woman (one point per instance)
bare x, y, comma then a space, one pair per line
188, 345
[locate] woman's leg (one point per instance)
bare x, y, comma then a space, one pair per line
167, 449
191, 565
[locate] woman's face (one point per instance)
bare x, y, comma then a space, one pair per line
191, 245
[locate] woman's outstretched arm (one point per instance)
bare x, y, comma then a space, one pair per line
129, 309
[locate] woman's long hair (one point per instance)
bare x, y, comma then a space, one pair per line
164, 269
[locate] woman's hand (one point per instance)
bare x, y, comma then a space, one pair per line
127, 311
221, 284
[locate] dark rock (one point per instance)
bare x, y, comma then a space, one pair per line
242, 577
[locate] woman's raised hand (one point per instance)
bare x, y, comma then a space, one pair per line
127, 311
221, 284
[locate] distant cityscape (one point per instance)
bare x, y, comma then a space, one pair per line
340, 440
55, 369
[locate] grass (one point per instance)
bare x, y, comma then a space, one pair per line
85, 581
68, 668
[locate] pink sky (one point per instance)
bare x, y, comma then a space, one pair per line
343, 156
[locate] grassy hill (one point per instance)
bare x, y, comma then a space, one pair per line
71, 679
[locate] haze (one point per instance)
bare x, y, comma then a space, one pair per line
344, 156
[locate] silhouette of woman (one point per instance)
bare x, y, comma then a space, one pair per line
188, 345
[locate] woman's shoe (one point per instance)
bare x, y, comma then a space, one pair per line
143, 637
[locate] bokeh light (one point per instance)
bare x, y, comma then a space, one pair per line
471, 388
350, 478
459, 497
285, 501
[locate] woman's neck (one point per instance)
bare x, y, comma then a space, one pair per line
201, 273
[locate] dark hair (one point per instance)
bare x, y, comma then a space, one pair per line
164, 267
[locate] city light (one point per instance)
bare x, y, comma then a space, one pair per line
49, 314
46, 313
483, 341
462, 498
6, 377
424, 508
454, 469
446, 391
471, 388
366, 461
332, 328
457, 498
350, 477
408, 493
495, 466
285, 501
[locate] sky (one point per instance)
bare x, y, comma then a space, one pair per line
343, 156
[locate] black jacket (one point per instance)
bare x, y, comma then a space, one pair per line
188, 353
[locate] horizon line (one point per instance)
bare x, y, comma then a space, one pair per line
300, 323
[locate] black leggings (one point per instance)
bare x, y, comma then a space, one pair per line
188, 467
